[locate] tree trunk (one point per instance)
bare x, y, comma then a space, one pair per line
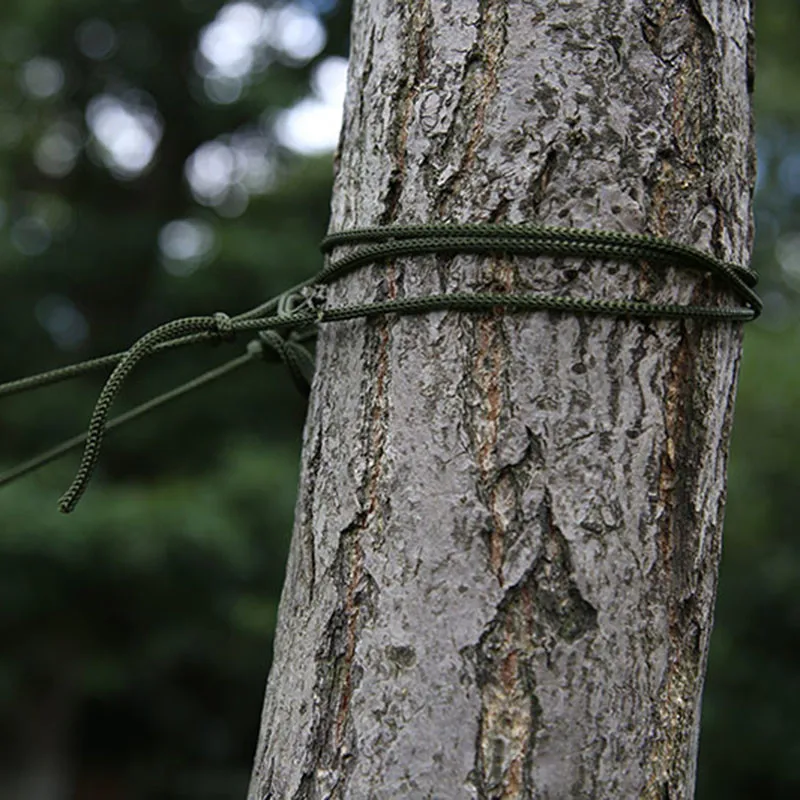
505, 553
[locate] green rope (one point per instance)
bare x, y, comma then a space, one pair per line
296, 358
270, 346
76, 441
103, 362
383, 243
301, 309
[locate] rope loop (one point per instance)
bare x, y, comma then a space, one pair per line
289, 302
379, 244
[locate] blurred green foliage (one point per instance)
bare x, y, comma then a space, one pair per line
142, 179
144, 176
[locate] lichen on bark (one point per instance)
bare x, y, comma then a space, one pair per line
508, 527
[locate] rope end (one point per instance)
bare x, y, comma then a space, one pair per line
68, 501
65, 506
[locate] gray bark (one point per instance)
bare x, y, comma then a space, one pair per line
508, 529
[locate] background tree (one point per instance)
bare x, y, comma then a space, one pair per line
145, 178
135, 634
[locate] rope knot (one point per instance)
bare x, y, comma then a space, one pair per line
297, 359
224, 326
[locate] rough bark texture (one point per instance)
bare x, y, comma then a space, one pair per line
505, 552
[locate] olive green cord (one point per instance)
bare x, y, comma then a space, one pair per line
531, 240
300, 310
71, 444
85, 368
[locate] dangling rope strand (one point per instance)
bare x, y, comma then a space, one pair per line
97, 424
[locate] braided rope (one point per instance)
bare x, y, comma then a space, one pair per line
301, 309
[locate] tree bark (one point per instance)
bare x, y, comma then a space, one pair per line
508, 529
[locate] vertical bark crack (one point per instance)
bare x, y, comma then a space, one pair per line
417, 57
478, 88
679, 542
489, 377
333, 738
333, 741
544, 610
